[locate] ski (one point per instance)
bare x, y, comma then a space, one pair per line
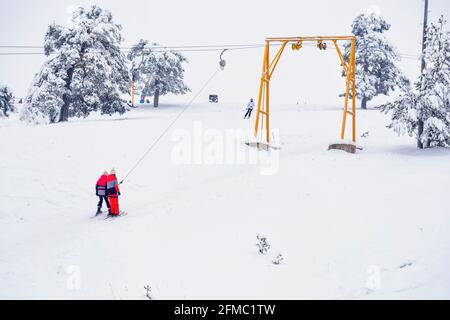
96, 216
121, 215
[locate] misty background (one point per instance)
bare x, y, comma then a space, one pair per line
306, 77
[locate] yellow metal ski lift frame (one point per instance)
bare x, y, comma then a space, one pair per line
297, 43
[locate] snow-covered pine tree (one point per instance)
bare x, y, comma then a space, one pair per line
428, 102
6, 101
140, 56
375, 57
158, 72
86, 71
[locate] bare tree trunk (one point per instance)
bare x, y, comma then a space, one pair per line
156, 99
420, 132
64, 115
364, 103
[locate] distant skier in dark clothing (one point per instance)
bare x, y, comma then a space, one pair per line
250, 107
100, 189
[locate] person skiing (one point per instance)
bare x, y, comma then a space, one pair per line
250, 107
113, 192
100, 190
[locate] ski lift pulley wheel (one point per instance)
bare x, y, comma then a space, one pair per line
297, 46
223, 63
322, 45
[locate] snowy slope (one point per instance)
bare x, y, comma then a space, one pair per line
342, 222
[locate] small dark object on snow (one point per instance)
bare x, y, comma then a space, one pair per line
365, 134
148, 291
261, 146
278, 259
350, 148
409, 264
263, 245
214, 98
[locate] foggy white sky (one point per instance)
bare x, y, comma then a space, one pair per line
310, 76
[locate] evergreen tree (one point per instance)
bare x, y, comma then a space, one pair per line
157, 72
86, 72
140, 57
375, 58
6, 101
428, 102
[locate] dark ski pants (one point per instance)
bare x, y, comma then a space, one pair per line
248, 114
100, 204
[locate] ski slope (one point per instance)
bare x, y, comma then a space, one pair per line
368, 226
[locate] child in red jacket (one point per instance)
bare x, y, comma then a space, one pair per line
113, 192
100, 189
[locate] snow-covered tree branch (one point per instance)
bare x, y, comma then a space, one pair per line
375, 57
428, 102
157, 72
6, 101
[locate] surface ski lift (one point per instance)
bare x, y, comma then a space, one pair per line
262, 125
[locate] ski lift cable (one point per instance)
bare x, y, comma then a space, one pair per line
162, 135
156, 50
156, 47
151, 46
193, 48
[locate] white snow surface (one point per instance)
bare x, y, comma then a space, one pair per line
342, 222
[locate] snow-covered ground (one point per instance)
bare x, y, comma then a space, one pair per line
367, 226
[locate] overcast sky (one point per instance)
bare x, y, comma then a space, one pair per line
309, 76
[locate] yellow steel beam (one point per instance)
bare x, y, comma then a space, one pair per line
277, 59
347, 95
261, 90
353, 63
315, 38
274, 59
268, 95
341, 56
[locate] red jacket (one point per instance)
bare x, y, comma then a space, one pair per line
100, 187
112, 186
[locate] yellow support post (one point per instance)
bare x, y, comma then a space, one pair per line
353, 59
268, 94
347, 97
261, 90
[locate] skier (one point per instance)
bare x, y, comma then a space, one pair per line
100, 189
250, 107
113, 192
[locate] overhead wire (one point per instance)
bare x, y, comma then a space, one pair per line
180, 48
